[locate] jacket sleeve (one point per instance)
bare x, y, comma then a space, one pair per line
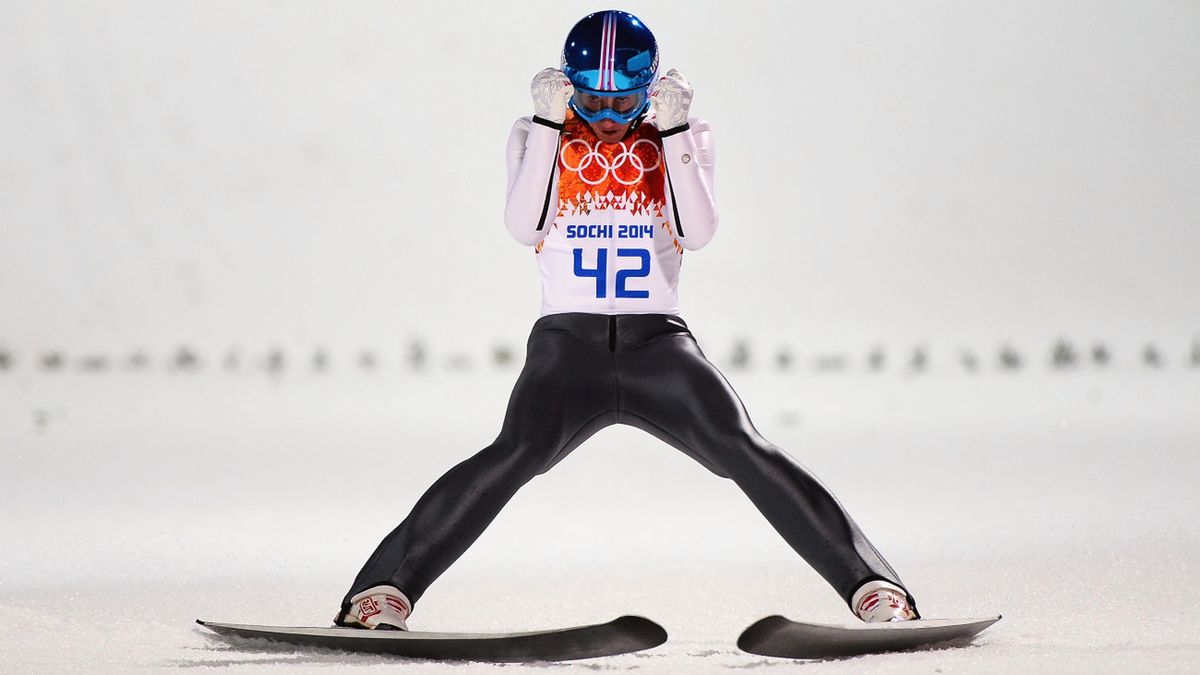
532, 161
690, 160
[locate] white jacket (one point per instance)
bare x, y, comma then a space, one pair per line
609, 222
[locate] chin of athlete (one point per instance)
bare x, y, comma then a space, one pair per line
609, 131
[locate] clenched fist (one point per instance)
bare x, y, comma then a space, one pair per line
671, 98
552, 91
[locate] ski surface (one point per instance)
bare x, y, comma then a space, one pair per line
620, 636
779, 636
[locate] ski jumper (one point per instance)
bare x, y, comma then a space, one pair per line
608, 223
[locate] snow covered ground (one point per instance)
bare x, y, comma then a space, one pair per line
134, 503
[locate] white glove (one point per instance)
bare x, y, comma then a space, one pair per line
551, 92
671, 98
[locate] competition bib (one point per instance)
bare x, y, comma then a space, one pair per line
610, 249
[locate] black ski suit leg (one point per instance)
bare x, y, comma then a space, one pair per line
564, 394
669, 389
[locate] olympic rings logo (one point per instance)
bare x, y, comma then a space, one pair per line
627, 155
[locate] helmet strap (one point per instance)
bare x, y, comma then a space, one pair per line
635, 124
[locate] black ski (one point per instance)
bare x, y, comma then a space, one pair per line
621, 636
778, 636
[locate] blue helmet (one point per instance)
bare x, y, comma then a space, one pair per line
611, 58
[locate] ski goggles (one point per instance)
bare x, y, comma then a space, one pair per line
622, 107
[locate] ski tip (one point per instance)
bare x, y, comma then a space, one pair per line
643, 627
634, 621
201, 622
757, 631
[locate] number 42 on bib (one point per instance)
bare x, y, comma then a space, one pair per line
640, 258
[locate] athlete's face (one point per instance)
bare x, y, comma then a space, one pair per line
608, 130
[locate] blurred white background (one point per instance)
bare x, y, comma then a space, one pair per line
302, 172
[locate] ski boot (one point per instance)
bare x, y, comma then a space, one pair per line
879, 601
379, 607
